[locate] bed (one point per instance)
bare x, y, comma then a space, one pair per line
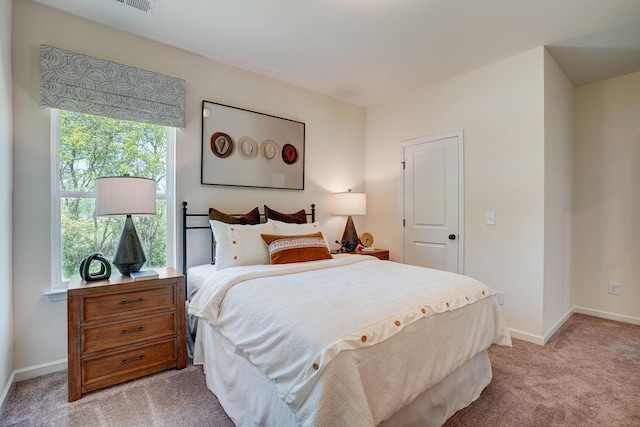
339, 339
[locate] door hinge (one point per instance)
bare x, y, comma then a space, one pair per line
404, 223
403, 165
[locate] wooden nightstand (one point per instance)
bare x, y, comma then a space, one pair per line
119, 329
382, 254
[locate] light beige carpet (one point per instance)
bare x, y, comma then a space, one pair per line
587, 375
169, 398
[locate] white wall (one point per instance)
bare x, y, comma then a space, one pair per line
559, 123
6, 177
334, 152
607, 198
515, 115
500, 109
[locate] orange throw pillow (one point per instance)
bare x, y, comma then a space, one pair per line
302, 248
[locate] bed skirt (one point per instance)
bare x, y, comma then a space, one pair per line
250, 399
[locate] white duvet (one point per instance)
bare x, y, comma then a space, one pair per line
299, 324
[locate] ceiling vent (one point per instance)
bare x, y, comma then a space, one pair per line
143, 5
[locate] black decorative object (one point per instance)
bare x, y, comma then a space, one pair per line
85, 268
344, 247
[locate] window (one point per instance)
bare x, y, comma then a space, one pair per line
85, 147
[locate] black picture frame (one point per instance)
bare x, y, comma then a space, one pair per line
244, 148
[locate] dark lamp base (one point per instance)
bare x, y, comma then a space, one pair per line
350, 239
129, 256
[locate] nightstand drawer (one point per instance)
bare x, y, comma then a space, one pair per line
103, 369
122, 303
106, 336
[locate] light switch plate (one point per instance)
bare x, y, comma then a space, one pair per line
491, 218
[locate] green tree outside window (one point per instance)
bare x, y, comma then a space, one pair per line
91, 147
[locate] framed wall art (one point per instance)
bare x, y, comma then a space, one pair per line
245, 148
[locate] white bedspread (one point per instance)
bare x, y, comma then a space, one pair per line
292, 321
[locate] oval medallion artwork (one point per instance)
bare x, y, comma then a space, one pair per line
289, 154
269, 149
221, 145
247, 147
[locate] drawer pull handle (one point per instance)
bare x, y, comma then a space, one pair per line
125, 332
131, 302
125, 361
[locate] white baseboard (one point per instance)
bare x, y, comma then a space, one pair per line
28, 373
542, 340
7, 391
558, 324
41, 369
607, 315
526, 336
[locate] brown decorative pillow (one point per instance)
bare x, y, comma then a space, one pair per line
250, 218
299, 217
302, 248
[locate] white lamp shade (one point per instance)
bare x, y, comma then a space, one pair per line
350, 204
125, 195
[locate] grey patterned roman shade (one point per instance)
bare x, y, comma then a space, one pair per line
85, 84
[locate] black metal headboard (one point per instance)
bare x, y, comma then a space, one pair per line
186, 227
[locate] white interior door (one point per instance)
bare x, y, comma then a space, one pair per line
433, 201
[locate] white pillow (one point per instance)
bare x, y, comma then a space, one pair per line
291, 229
238, 244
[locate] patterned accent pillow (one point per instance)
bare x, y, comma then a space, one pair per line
291, 229
252, 217
239, 244
299, 217
302, 248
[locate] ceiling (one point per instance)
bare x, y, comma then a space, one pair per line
367, 51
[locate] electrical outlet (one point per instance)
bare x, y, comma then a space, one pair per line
614, 288
500, 297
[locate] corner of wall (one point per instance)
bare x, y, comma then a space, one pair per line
6, 189
606, 196
4, 397
559, 153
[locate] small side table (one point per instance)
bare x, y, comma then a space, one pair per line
120, 329
382, 254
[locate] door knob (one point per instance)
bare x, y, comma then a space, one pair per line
452, 237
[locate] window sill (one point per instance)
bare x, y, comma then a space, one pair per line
56, 295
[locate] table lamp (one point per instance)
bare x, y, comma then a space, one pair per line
350, 204
126, 196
